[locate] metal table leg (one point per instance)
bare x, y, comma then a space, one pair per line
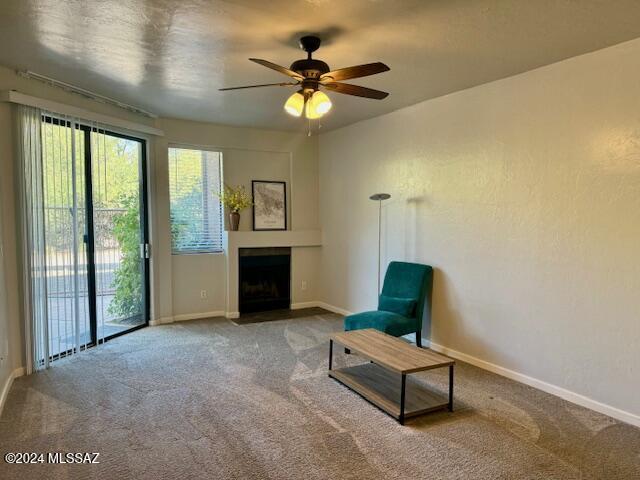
402, 398
330, 354
450, 406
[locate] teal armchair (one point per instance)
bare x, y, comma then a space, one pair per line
401, 303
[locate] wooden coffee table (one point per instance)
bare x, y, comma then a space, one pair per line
383, 382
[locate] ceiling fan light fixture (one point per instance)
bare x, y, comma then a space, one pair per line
318, 105
295, 104
309, 74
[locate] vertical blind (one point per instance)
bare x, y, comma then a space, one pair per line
52, 199
34, 255
195, 182
53, 218
64, 227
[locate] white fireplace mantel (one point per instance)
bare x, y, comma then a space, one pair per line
232, 241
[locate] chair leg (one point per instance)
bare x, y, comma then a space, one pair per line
347, 351
419, 338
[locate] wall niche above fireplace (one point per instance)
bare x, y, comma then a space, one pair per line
264, 279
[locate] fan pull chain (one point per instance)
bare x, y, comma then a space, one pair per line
309, 128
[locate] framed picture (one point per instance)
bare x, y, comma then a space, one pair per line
269, 205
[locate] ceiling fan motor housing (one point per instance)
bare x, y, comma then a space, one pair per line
310, 67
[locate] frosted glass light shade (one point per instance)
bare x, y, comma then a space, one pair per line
318, 105
295, 104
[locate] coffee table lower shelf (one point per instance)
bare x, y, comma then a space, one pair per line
382, 388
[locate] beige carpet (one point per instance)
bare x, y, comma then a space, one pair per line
211, 399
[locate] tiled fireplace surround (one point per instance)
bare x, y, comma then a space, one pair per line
233, 241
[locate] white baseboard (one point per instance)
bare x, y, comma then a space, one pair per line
412, 338
568, 395
161, 321
332, 308
198, 316
18, 372
187, 316
563, 393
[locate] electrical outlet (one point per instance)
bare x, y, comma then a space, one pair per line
203, 294
303, 285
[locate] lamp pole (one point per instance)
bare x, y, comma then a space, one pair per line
379, 197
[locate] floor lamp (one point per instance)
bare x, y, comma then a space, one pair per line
379, 197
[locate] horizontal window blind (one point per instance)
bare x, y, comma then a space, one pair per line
195, 179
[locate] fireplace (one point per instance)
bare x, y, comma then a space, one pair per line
264, 279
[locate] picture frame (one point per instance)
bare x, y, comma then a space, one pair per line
269, 205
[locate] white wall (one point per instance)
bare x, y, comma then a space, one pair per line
247, 154
9, 331
524, 194
243, 166
6, 362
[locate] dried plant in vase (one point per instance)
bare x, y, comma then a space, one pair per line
235, 199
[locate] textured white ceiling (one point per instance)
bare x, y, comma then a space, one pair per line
171, 56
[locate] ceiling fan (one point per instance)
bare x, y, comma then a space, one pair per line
310, 74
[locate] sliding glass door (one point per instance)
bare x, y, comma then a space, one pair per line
119, 233
95, 234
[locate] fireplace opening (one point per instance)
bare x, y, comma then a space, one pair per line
264, 278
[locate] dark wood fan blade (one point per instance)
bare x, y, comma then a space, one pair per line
281, 84
356, 90
355, 72
277, 68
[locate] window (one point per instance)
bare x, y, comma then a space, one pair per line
196, 213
